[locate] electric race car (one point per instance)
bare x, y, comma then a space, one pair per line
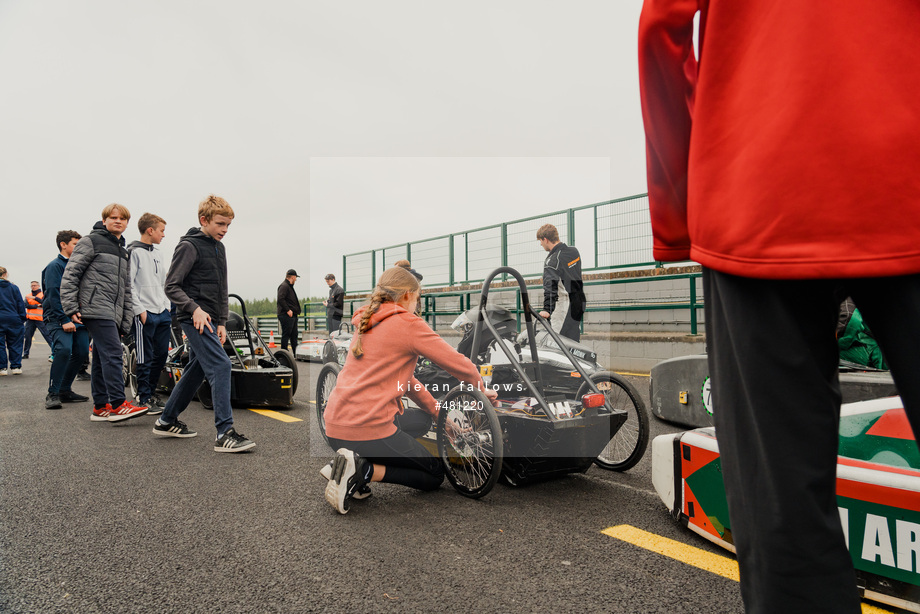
878, 494
333, 348
259, 376
680, 388
555, 355
550, 420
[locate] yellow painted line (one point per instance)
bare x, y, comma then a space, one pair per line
633, 374
276, 415
695, 557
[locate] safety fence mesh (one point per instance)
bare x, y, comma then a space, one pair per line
611, 234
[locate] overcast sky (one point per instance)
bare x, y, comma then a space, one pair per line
331, 128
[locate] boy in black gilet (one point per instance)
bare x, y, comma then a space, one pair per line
197, 286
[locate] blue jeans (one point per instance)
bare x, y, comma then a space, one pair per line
70, 350
152, 345
31, 326
207, 360
11, 332
108, 378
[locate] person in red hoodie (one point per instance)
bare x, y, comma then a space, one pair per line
785, 161
364, 416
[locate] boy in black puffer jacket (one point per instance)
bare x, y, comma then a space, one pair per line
96, 291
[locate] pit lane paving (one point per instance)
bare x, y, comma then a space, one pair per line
96, 517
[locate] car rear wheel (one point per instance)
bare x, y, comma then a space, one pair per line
325, 384
628, 443
132, 373
329, 353
287, 360
204, 395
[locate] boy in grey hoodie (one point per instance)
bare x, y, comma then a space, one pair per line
151, 309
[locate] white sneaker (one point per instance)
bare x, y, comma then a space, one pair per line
4, 372
16, 371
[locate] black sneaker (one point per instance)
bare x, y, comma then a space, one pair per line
231, 441
69, 396
25, 357
53, 401
178, 429
350, 473
83, 376
154, 404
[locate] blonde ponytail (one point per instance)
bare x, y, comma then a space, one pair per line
393, 284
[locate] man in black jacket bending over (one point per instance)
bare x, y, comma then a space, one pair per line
288, 310
563, 302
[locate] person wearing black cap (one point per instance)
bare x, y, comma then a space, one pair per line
288, 310
335, 304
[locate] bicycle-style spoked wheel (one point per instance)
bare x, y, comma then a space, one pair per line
469, 441
328, 376
628, 443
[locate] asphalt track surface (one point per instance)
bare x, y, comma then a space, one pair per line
96, 517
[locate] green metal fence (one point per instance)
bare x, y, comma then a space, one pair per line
612, 234
454, 302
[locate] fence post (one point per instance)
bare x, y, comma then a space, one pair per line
466, 257
570, 215
693, 324
374, 268
450, 260
504, 236
596, 263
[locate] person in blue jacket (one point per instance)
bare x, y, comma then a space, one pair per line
12, 317
70, 341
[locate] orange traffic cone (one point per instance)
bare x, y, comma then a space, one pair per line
271, 339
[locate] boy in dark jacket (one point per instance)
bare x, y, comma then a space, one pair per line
288, 310
335, 304
197, 284
564, 298
69, 341
96, 292
12, 317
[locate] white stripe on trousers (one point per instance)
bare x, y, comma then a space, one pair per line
139, 341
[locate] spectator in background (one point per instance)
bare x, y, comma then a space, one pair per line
288, 310
151, 309
12, 316
335, 304
564, 298
34, 319
96, 292
70, 341
785, 162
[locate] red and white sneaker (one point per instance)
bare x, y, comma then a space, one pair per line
126, 411
101, 414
